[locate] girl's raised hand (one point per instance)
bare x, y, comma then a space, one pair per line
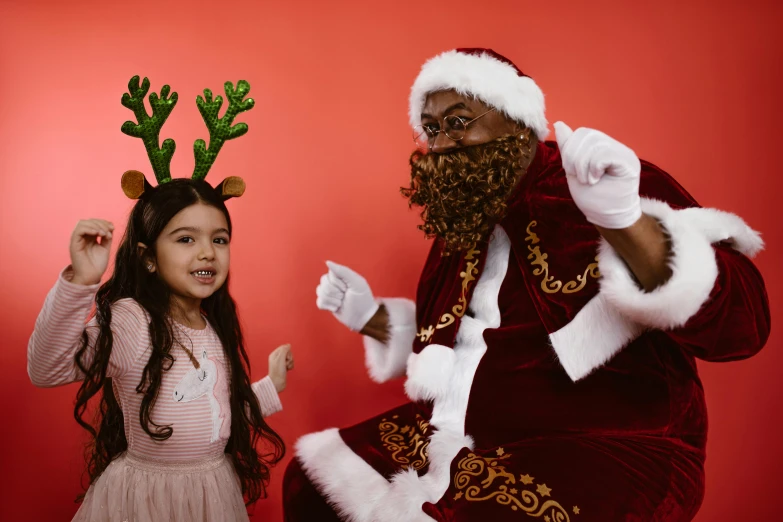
90, 248
280, 362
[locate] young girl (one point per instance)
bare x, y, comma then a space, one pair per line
179, 422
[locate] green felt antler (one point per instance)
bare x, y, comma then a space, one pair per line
220, 129
148, 127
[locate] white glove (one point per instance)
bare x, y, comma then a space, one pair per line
347, 295
603, 176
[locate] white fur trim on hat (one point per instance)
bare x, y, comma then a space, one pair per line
484, 77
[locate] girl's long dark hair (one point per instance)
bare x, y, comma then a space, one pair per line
131, 279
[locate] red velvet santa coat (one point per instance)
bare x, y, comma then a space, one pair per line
544, 382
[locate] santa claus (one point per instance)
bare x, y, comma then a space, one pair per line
550, 353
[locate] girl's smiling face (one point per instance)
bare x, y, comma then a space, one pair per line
193, 252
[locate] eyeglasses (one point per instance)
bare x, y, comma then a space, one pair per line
454, 127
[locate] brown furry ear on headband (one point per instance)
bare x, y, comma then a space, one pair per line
134, 184
231, 187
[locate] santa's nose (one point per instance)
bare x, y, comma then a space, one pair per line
442, 143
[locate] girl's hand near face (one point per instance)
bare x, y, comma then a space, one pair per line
90, 247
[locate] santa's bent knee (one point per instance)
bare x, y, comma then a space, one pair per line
302, 502
294, 480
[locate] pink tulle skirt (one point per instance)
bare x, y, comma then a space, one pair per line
134, 489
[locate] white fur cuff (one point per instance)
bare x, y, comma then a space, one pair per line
387, 361
693, 264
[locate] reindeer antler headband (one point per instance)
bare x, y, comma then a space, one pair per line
134, 184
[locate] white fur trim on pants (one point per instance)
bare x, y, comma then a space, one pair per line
349, 484
359, 493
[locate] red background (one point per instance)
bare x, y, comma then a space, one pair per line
691, 86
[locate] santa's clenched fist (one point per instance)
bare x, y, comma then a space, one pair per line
347, 295
602, 174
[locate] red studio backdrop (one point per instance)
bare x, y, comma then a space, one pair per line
692, 86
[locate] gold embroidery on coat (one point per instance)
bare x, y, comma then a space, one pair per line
476, 480
468, 276
549, 284
407, 445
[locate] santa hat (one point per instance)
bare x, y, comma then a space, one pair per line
487, 76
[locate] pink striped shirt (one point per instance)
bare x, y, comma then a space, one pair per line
195, 403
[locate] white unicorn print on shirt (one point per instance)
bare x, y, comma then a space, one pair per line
198, 382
